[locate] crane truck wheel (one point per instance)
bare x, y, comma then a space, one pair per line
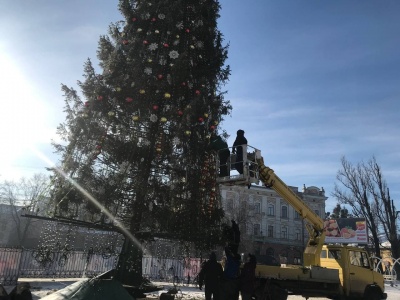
270, 291
372, 294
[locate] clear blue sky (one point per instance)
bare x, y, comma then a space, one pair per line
311, 81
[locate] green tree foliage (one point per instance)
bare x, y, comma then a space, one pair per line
338, 212
136, 141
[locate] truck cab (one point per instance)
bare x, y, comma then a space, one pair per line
356, 271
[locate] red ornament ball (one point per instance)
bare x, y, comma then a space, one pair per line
145, 42
128, 99
166, 45
201, 120
99, 98
180, 113
160, 76
155, 107
125, 42
198, 92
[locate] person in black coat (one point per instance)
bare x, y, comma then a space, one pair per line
248, 278
219, 145
238, 149
211, 275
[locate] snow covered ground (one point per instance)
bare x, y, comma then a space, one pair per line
41, 288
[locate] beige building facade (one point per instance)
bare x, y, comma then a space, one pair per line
270, 227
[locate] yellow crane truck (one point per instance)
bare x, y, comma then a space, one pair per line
331, 271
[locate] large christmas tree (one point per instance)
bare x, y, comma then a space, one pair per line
136, 141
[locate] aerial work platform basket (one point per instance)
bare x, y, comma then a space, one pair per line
230, 170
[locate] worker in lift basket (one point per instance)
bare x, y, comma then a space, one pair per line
219, 145
237, 148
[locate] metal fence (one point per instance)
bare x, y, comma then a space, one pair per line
183, 270
16, 262
35, 263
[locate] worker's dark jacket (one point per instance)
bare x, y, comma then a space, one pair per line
211, 273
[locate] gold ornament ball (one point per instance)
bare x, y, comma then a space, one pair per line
163, 119
111, 113
167, 95
188, 132
206, 115
135, 118
118, 89
142, 92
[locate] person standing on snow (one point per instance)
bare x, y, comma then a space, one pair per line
238, 145
230, 286
210, 275
248, 278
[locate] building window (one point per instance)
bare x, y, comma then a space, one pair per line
243, 206
271, 210
298, 235
270, 231
296, 215
257, 208
284, 212
257, 229
284, 232
229, 204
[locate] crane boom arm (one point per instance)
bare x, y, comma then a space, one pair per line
315, 225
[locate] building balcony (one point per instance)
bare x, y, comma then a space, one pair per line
258, 238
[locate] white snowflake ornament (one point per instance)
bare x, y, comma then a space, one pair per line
153, 46
153, 118
176, 141
174, 54
179, 25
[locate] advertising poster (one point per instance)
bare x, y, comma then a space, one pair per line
346, 231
